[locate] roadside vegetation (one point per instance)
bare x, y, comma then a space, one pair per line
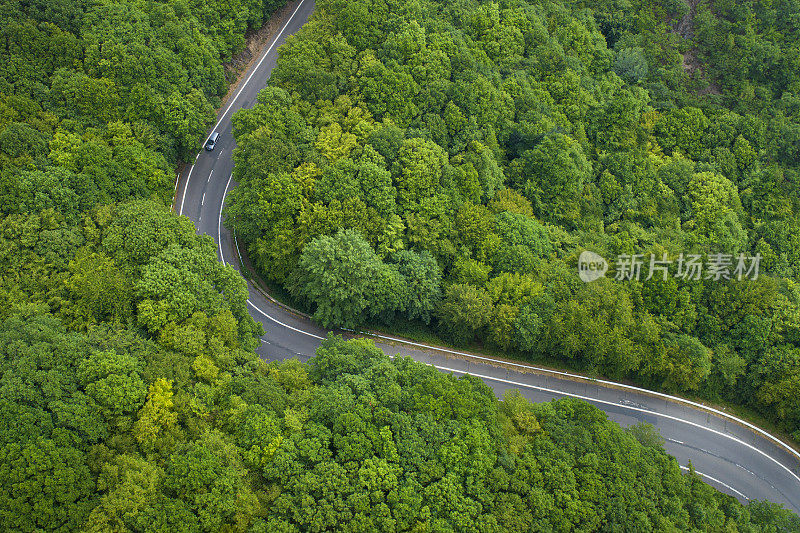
99, 101
131, 435
444, 164
131, 398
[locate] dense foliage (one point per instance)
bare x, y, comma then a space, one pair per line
106, 431
131, 400
446, 163
99, 100
130, 395
133, 265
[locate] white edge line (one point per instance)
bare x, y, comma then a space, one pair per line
647, 411
233, 101
567, 374
219, 220
186, 187
601, 381
715, 480
553, 391
621, 385
282, 324
263, 57
581, 397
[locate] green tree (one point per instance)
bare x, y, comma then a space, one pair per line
417, 171
689, 363
422, 277
464, 310
113, 381
209, 477
631, 64
552, 176
46, 486
339, 275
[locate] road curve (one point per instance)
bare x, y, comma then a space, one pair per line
737, 459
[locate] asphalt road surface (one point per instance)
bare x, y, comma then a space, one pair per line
734, 458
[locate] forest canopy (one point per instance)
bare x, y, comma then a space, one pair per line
442, 165
131, 399
440, 169
100, 100
132, 436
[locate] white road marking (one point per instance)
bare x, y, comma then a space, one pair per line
523, 385
580, 397
219, 220
247, 81
746, 470
646, 411
545, 389
233, 101
697, 405
562, 393
203, 201
254, 306
715, 480
186, 187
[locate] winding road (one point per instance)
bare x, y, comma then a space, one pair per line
731, 455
